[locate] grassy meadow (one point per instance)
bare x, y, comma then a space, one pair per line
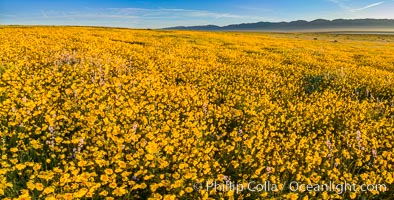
107, 113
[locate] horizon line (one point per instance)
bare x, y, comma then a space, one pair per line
125, 27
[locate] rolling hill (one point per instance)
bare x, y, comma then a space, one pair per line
302, 25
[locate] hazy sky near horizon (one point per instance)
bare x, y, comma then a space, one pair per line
166, 13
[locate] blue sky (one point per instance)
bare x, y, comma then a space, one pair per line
165, 13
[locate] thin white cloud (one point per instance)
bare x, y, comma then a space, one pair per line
153, 18
44, 14
344, 5
341, 4
82, 15
54, 14
252, 8
7, 15
368, 6
171, 13
140, 13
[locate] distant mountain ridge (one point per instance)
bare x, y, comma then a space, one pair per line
301, 25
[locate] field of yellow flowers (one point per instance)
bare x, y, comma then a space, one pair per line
100, 113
